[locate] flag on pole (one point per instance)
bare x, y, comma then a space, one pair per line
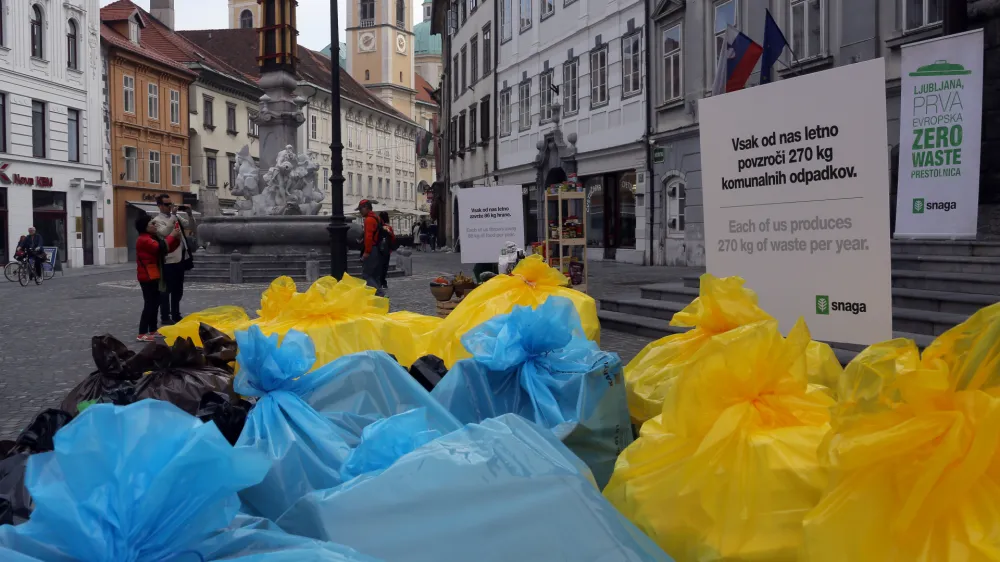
736, 61
774, 45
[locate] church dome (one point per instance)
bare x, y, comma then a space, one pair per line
424, 42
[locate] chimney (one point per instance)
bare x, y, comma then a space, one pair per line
163, 10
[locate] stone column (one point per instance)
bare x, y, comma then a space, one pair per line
280, 115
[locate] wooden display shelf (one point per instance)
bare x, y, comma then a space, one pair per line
566, 195
562, 251
568, 241
444, 308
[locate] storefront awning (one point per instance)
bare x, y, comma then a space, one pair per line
151, 208
377, 208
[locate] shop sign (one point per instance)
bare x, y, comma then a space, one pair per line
659, 155
18, 179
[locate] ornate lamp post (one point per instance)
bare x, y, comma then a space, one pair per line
338, 224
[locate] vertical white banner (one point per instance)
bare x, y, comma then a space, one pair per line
488, 218
940, 134
795, 179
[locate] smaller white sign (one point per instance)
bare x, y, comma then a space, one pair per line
488, 218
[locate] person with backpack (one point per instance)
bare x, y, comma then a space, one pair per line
390, 236
374, 247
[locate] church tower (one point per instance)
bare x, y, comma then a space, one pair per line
244, 14
380, 50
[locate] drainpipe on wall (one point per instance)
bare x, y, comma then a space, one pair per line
647, 138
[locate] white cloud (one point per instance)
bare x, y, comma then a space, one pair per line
313, 17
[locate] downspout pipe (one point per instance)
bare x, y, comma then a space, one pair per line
647, 138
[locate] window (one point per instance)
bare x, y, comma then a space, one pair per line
231, 118
487, 50
253, 128
246, 19
128, 93
506, 17
548, 8
725, 16
503, 115
918, 13
211, 170
525, 15
3, 117
400, 14
73, 134
209, 114
545, 97
473, 115
465, 81
1, 23
599, 77
175, 170
672, 63
38, 129
806, 27
379, 193
454, 75
464, 9
524, 106
131, 163
484, 120
571, 87
370, 187
398, 192
676, 202
326, 180
427, 12
154, 167
461, 131
36, 32
631, 65
474, 53
350, 183
72, 46
453, 135
175, 107
367, 13
153, 101
133, 30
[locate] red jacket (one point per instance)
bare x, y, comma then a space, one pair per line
372, 224
148, 254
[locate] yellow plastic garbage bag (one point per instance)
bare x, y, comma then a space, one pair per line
530, 284
723, 304
729, 469
913, 455
226, 319
343, 318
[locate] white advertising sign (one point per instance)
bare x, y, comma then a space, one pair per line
489, 217
940, 130
795, 179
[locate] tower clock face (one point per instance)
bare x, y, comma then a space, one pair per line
401, 43
366, 41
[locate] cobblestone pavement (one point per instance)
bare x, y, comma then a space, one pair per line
46, 331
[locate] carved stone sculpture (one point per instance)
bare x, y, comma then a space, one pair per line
288, 188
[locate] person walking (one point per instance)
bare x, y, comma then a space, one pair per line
150, 252
432, 235
173, 267
390, 236
424, 237
371, 253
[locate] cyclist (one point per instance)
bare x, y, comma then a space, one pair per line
33, 247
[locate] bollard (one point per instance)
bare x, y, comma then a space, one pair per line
312, 266
236, 268
404, 261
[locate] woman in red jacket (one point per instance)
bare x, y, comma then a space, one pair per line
149, 252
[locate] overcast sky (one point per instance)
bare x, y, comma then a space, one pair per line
313, 17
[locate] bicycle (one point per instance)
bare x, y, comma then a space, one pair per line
10, 271
26, 269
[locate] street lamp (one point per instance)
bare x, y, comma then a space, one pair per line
338, 224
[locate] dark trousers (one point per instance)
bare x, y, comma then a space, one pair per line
371, 270
150, 303
170, 301
385, 270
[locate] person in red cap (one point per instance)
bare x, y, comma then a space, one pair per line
372, 252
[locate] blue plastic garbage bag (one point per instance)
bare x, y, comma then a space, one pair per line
501, 490
309, 423
148, 482
540, 365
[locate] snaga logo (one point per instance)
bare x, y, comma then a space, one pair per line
920, 206
824, 306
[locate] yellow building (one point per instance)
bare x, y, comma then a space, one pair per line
244, 14
380, 50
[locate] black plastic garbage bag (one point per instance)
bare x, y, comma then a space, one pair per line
229, 414
428, 370
15, 501
113, 374
37, 437
220, 349
179, 374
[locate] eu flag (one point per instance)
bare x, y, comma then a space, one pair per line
774, 44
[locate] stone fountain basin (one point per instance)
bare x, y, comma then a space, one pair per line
273, 235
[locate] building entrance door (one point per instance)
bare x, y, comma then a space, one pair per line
87, 209
4, 246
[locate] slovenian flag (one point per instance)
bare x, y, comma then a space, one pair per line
736, 62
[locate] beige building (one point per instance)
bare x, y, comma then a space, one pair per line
380, 50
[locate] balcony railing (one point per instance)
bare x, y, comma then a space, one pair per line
367, 22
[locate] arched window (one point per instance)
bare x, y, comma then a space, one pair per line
246, 19
368, 75
36, 32
72, 46
400, 13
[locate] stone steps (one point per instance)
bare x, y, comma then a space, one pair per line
946, 248
947, 264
